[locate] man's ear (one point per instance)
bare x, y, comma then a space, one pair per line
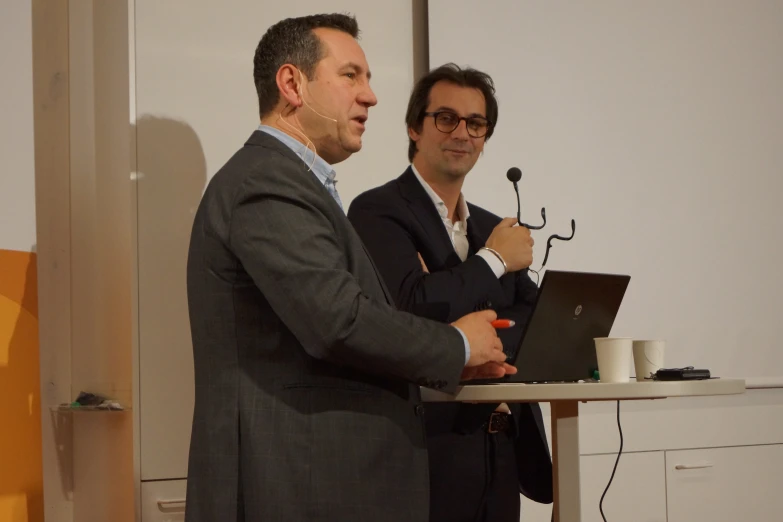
413, 134
289, 84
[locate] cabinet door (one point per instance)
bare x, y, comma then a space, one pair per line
638, 492
725, 484
163, 501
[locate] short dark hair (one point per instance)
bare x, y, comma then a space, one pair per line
420, 96
293, 41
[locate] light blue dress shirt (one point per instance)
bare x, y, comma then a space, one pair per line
322, 170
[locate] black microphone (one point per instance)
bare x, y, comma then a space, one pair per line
514, 175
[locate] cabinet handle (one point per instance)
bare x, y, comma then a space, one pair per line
168, 504
692, 466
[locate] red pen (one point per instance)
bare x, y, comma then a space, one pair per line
502, 323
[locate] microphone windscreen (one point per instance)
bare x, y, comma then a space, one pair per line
514, 174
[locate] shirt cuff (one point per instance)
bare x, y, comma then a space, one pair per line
467, 345
493, 262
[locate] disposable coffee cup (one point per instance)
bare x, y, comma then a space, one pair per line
614, 358
648, 358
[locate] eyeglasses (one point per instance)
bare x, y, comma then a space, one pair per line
447, 122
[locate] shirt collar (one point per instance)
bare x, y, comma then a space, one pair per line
462, 205
323, 171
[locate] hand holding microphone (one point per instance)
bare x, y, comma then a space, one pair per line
513, 244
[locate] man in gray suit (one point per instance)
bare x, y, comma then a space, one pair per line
307, 401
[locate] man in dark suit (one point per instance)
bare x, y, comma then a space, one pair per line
443, 257
307, 401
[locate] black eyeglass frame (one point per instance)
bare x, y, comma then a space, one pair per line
435, 115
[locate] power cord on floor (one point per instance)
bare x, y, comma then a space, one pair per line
620, 429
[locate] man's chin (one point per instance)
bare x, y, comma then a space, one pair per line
461, 168
344, 152
458, 171
353, 145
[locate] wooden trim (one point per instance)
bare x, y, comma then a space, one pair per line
51, 113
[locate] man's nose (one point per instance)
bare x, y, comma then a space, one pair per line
461, 132
367, 97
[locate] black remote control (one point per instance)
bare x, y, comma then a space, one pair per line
681, 374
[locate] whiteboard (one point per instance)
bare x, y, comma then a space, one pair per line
195, 106
658, 127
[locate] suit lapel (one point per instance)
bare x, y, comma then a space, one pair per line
477, 237
426, 214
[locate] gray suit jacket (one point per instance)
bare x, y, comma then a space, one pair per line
307, 405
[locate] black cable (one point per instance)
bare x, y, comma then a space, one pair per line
620, 429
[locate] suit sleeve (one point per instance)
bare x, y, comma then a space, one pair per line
526, 289
282, 233
469, 286
445, 295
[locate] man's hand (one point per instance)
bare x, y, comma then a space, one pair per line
513, 243
485, 346
490, 370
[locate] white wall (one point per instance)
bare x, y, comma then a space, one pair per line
658, 127
17, 176
194, 65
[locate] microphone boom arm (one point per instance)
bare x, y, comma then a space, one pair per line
533, 227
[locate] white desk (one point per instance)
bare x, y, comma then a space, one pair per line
564, 399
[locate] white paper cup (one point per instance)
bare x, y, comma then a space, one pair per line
614, 358
647, 358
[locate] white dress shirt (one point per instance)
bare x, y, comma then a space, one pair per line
458, 232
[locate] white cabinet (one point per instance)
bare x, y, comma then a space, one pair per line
637, 493
725, 484
163, 501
